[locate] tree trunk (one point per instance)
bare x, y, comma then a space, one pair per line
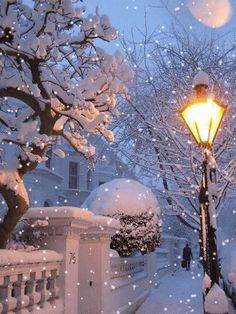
17, 207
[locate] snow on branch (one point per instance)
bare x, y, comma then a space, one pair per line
57, 37
151, 133
55, 80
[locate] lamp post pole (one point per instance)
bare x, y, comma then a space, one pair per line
208, 220
203, 116
207, 208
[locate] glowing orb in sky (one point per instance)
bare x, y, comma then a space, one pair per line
213, 13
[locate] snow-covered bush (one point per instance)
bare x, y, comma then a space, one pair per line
139, 233
55, 82
136, 207
27, 235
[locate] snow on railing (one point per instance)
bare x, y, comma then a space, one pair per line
127, 267
28, 282
162, 255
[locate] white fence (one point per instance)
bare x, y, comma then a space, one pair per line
28, 282
129, 283
133, 277
90, 280
124, 267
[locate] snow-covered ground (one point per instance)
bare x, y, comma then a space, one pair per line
178, 293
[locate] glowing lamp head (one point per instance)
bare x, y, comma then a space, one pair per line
203, 119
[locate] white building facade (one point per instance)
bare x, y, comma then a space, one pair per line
69, 180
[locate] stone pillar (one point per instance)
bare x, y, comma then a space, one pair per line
62, 235
66, 241
95, 276
84, 241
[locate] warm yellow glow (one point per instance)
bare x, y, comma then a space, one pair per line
203, 119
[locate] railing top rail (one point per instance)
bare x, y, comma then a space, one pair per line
128, 260
14, 257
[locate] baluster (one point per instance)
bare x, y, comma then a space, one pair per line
3, 292
10, 301
19, 292
52, 284
39, 288
34, 296
47, 292
56, 287
42, 288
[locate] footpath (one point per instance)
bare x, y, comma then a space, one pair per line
178, 293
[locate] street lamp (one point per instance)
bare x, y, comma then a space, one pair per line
203, 116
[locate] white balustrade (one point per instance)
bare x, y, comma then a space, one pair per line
28, 281
90, 280
129, 283
124, 267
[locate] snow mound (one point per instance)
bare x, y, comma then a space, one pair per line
59, 212
201, 78
216, 301
227, 253
122, 196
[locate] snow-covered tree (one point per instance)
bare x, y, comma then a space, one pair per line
55, 81
154, 137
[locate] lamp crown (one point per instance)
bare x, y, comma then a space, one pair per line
201, 79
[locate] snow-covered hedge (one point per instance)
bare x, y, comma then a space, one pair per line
27, 236
138, 233
137, 209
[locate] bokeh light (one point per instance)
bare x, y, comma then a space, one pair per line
213, 13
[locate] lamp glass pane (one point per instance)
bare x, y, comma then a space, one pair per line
189, 117
217, 114
203, 119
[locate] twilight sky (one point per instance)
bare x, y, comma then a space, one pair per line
126, 14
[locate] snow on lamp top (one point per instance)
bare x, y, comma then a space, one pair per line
122, 196
201, 78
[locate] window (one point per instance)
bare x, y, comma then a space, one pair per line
73, 175
89, 179
61, 200
47, 203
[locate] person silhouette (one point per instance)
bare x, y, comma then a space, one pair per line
187, 255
